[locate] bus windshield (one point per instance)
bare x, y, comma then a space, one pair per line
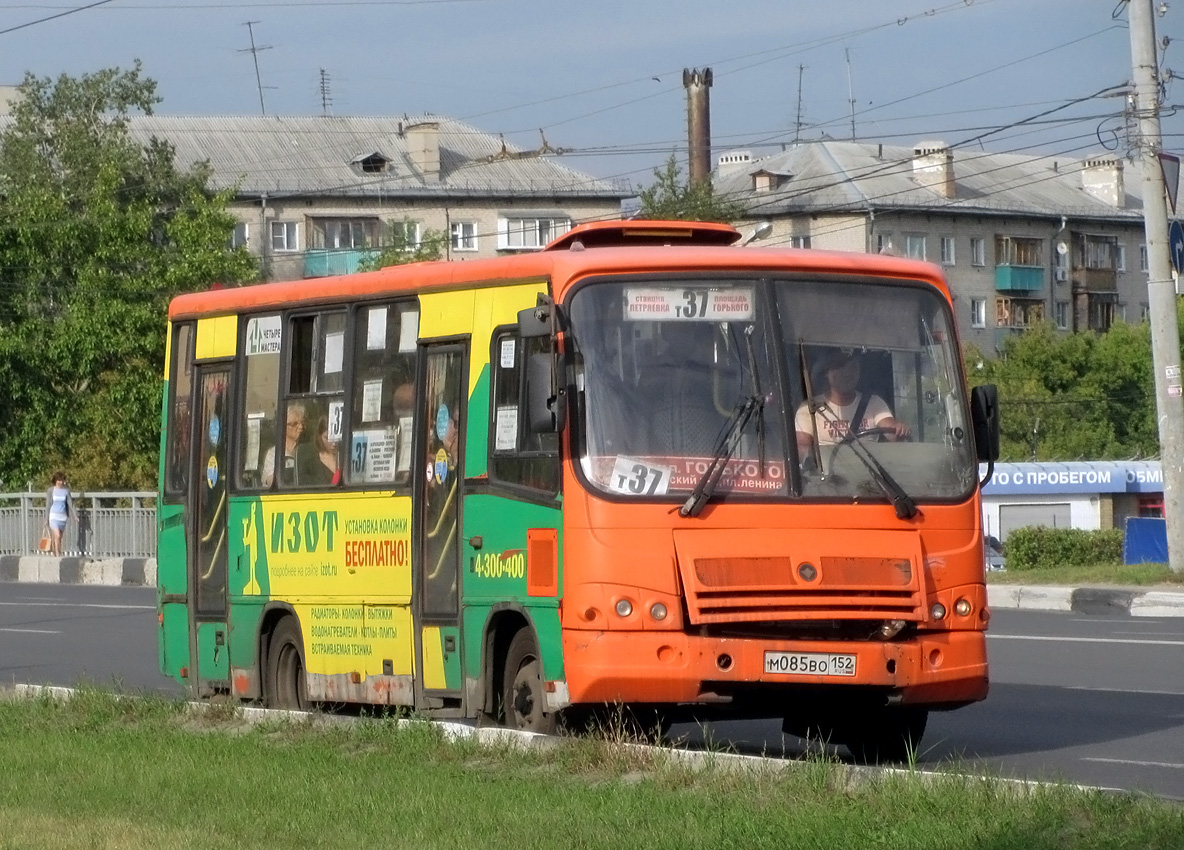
773, 388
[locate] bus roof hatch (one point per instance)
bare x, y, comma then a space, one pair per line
618, 234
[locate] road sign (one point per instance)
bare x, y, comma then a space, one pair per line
1169, 164
1176, 243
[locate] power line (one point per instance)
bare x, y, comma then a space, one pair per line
53, 17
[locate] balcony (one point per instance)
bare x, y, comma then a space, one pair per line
1096, 280
1019, 278
322, 262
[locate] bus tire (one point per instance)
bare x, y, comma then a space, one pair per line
888, 735
286, 684
522, 688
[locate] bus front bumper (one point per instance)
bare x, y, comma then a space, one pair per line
929, 669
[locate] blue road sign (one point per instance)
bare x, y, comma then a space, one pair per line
1176, 243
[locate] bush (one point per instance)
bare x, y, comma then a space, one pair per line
1039, 548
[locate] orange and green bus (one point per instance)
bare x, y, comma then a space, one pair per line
522, 488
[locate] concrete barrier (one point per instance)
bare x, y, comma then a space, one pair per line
114, 572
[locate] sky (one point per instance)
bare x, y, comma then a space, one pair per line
602, 79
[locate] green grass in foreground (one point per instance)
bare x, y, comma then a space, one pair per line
101, 773
1135, 574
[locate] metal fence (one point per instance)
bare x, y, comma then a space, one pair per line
108, 524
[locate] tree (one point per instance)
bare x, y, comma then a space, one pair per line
1073, 396
400, 247
97, 234
671, 199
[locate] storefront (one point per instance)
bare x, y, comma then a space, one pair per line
1079, 494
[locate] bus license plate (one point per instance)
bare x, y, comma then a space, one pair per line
810, 663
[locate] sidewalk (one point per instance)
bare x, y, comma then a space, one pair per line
1134, 601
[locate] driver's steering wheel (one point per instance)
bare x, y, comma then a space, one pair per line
879, 432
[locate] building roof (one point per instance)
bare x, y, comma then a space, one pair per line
844, 177
325, 155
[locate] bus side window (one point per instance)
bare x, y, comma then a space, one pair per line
261, 378
176, 473
518, 457
309, 452
382, 412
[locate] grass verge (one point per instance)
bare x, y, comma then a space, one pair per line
1138, 575
98, 772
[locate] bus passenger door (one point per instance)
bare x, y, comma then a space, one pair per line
208, 493
439, 480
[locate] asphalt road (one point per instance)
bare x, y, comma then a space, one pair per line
1095, 700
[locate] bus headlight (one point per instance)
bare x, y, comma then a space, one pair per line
624, 607
937, 611
962, 607
658, 611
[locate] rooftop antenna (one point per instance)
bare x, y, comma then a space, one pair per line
254, 51
797, 134
326, 96
850, 91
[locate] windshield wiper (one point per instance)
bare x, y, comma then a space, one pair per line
745, 409
703, 491
905, 507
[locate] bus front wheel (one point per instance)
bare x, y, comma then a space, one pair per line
888, 735
523, 698
286, 686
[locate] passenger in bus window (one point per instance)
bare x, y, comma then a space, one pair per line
842, 408
324, 467
293, 432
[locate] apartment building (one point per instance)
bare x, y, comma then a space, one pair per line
313, 196
1022, 238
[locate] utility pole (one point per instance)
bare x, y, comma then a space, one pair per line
850, 91
326, 96
1161, 288
797, 133
254, 51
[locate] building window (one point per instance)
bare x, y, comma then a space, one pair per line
914, 246
1120, 257
978, 312
402, 235
1018, 312
947, 250
1097, 252
1101, 311
464, 235
1143, 257
1061, 312
529, 233
344, 234
1018, 251
284, 236
799, 241
1144, 312
883, 243
241, 236
978, 251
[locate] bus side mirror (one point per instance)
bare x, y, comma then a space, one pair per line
984, 413
546, 407
543, 319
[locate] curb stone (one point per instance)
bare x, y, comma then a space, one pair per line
1087, 600
112, 572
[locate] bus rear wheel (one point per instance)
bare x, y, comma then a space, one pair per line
523, 698
888, 735
286, 685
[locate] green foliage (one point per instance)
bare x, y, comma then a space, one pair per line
1039, 548
670, 199
99, 233
1073, 396
398, 249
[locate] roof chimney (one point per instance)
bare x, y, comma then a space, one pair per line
698, 85
1102, 178
933, 167
423, 147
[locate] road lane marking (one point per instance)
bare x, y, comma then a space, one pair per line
78, 605
1172, 765
32, 631
1089, 640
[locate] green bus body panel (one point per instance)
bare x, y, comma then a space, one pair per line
477, 432
496, 573
213, 661
173, 640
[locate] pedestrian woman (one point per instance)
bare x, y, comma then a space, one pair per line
59, 510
